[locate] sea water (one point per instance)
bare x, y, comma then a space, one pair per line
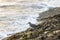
14, 16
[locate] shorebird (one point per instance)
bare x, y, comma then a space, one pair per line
32, 25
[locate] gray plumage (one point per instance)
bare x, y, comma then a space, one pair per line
32, 25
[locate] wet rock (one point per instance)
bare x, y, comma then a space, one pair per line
48, 30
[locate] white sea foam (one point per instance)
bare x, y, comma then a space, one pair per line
14, 16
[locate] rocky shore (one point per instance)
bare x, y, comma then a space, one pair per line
49, 29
